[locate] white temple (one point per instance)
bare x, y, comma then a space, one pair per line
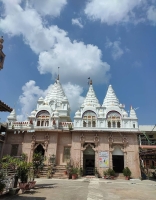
53, 112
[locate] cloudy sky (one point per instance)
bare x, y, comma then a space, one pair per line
113, 42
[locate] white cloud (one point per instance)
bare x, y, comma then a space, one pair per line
112, 11
32, 92
151, 14
18, 21
29, 98
76, 59
116, 50
77, 22
48, 7
73, 93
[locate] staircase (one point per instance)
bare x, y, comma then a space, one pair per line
44, 172
59, 172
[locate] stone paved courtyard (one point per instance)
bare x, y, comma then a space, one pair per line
89, 189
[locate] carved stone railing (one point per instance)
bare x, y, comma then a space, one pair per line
66, 125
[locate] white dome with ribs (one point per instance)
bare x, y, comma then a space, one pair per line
91, 99
56, 93
110, 99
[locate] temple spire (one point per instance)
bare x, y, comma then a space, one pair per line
110, 98
58, 76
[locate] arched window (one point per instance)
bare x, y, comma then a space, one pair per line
89, 119
43, 118
42, 123
47, 123
118, 124
109, 124
114, 119
38, 123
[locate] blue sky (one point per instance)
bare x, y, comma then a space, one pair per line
113, 42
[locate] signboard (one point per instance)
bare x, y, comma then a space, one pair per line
104, 159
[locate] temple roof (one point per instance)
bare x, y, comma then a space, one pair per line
110, 98
91, 99
56, 93
4, 107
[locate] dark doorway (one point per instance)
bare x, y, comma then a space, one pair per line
89, 164
89, 161
118, 163
40, 149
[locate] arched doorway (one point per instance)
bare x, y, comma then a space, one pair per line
88, 161
40, 149
118, 159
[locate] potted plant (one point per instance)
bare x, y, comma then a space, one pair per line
31, 178
127, 173
105, 173
74, 172
111, 173
38, 163
23, 169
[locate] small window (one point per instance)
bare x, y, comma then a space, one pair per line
94, 124
42, 123
114, 125
89, 123
38, 123
118, 124
14, 149
47, 123
133, 125
84, 124
109, 124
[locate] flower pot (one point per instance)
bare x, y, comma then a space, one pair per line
65, 172
23, 185
74, 176
32, 184
127, 177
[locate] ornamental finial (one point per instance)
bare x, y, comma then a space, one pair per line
58, 77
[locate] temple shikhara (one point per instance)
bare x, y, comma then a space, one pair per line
100, 136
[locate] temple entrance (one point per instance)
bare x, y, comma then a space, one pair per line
89, 161
118, 163
39, 149
118, 160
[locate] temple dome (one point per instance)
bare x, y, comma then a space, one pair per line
110, 99
12, 116
91, 99
78, 114
33, 113
125, 114
56, 93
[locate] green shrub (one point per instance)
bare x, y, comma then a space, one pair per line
127, 172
